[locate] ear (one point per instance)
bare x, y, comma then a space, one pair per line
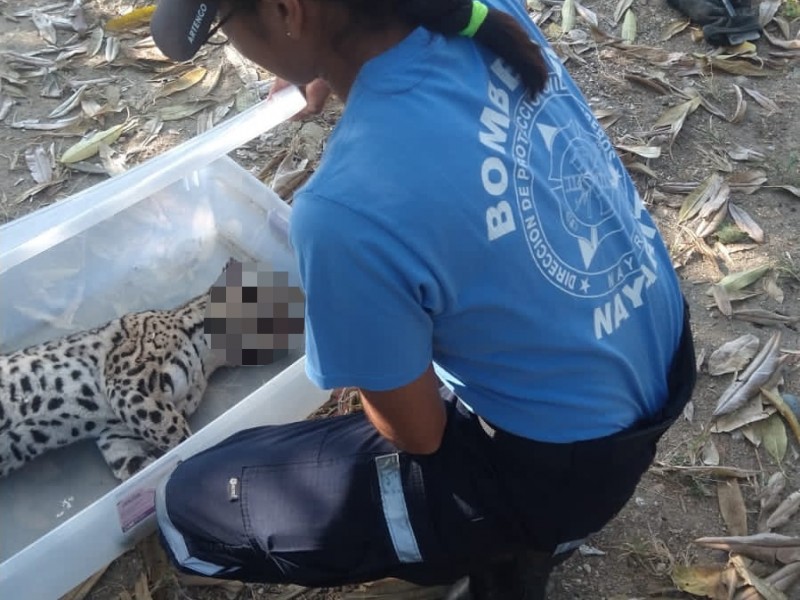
290, 15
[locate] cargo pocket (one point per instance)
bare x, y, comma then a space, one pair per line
467, 511
318, 523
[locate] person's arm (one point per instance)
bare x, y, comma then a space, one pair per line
369, 319
412, 417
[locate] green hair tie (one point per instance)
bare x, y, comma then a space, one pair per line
476, 19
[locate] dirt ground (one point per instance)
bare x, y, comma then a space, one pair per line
746, 133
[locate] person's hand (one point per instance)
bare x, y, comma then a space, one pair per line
315, 92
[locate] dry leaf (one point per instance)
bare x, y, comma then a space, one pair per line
209, 82
112, 49
773, 436
742, 279
784, 409
742, 153
730, 578
769, 548
291, 172
141, 590
135, 18
586, 14
784, 579
74, 51
567, 16
717, 159
731, 506
83, 589
763, 317
786, 45
763, 101
722, 299
736, 66
750, 412
792, 189
700, 580
741, 106
688, 411
747, 49
23, 60
88, 147
746, 223
607, 116
767, 10
44, 24
156, 563
769, 498
51, 87
113, 162
39, 164
747, 182
673, 28
70, 103
710, 453
714, 472
752, 434
709, 189
785, 511
673, 119
39, 187
205, 121
222, 109
653, 83
643, 151
184, 82
5, 106
52, 126
96, 41
747, 384
637, 167
181, 111
766, 590
772, 288
733, 356
629, 27
713, 212
621, 8
91, 108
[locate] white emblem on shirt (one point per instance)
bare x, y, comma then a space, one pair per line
574, 251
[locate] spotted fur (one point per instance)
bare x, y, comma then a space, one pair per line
129, 384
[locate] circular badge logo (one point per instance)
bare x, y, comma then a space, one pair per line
582, 218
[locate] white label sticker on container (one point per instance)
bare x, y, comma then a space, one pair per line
136, 507
136, 504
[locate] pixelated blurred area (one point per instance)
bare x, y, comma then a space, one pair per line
254, 317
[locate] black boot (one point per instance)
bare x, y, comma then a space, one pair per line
725, 22
521, 577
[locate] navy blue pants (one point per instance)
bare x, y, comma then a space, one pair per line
330, 502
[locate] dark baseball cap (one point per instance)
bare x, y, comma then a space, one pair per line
180, 27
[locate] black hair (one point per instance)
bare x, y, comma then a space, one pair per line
499, 32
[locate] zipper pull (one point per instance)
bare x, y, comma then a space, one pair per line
233, 489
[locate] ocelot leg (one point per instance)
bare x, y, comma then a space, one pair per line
124, 452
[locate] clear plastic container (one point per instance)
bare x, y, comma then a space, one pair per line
149, 238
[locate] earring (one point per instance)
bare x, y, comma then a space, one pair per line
288, 34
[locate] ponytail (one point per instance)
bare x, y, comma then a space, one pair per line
496, 30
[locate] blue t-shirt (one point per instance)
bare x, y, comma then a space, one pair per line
453, 220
